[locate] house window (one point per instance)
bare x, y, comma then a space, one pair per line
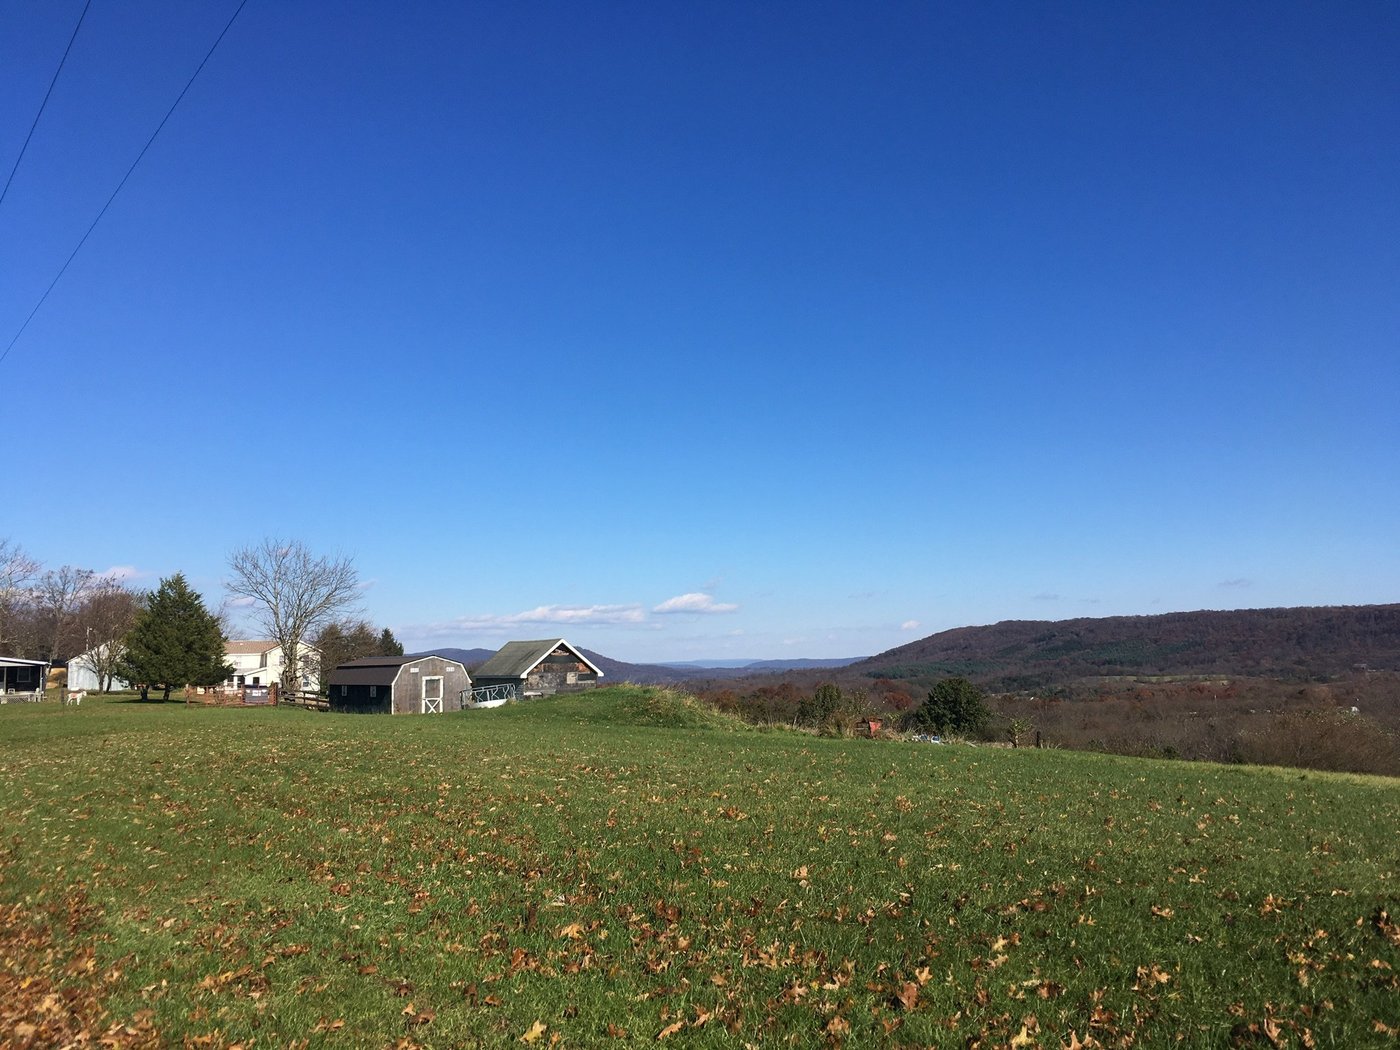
24, 674
373, 691
344, 689
571, 678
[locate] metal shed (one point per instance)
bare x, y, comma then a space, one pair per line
398, 685
539, 668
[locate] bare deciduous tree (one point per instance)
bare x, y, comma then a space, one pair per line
108, 613
295, 594
17, 573
59, 595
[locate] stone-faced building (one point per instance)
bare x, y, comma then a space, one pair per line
539, 668
398, 685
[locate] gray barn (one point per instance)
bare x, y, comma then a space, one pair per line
539, 668
398, 685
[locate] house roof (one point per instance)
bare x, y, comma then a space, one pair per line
18, 661
248, 648
376, 670
258, 645
518, 659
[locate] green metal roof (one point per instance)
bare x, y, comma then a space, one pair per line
518, 659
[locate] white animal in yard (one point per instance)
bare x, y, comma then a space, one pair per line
75, 698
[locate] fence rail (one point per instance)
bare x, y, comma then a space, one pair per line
309, 701
488, 695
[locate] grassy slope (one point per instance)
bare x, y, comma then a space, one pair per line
578, 864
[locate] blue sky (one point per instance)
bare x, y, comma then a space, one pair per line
715, 330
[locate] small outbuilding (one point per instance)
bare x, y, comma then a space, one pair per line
398, 685
539, 668
22, 680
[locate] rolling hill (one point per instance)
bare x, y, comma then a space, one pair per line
1276, 643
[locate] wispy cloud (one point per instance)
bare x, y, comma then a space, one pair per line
568, 615
910, 625
695, 602
121, 573
1045, 596
1238, 581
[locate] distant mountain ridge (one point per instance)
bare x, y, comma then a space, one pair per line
1280, 643
469, 657
613, 670
760, 665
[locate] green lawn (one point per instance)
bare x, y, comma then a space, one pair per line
621, 866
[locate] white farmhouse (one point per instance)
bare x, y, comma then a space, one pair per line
259, 662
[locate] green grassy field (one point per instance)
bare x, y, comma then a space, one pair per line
623, 867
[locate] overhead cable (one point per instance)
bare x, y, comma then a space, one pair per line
63, 269
45, 103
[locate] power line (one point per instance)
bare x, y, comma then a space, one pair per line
64, 268
44, 104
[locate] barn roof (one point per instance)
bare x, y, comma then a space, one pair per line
518, 659
377, 670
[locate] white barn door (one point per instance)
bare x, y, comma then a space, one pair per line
432, 695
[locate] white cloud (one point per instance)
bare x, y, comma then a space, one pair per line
909, 625
121, 573
694, 602
579, 614
543, 614
241, 602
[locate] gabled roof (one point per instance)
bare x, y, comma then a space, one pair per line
252, 647
248, 648
518, 659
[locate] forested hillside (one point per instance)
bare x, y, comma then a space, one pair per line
1276, 643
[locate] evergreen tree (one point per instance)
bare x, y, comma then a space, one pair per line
176, 642
954, 705
346, 640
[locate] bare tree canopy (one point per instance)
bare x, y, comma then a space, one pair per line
61, 593
294, 594
108, 612
17, 572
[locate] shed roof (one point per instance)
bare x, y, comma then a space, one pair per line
518, 659
19, 661
377, 670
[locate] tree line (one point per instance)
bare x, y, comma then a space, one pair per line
55, 614
168, 638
